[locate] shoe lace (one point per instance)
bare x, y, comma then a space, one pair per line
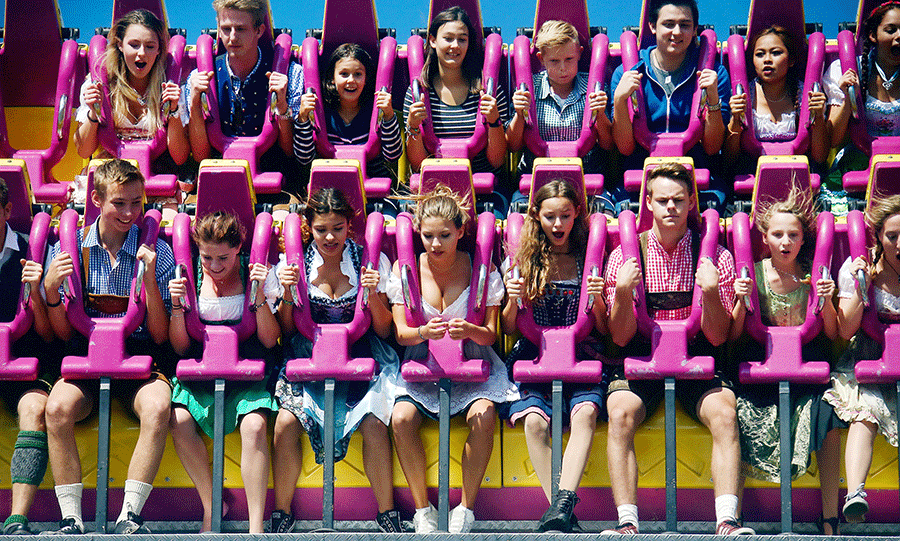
859, 492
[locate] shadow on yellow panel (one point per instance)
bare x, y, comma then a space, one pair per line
31, 128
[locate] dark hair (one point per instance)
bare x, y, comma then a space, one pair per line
4, 193
657, 5
326, 201
355, 52
796, 55
218, 227
870, 30
535, 258
115, 171
673, 171
472, 63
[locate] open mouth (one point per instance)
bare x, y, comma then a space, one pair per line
559, 235
140, 65
895, 50
768, 71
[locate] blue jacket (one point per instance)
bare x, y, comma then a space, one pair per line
672, 115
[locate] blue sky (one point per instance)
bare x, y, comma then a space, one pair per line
405, 14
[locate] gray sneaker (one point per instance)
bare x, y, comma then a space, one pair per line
67, 526
133, 524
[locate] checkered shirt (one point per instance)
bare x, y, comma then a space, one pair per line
105, 279
673, 272
559, 119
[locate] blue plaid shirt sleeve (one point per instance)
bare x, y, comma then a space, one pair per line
295, 87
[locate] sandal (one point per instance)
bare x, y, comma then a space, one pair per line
834, 522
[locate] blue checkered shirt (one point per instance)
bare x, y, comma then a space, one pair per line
105, 279
559, 119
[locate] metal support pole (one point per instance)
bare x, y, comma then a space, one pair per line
444, 456
556, 443
671, 474
784, 433
328, 465
218, 470
103, 456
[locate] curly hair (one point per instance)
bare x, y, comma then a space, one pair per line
796, 55
881, 208
535, 259
869, 34
219, 227
121, 93
799, 204
442, 203
474, 59
354, 52
326, 201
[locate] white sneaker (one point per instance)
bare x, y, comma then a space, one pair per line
425, 520
461, 519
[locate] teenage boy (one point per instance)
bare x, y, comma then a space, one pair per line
668, 74
561, 94
112, 251
671, 272
28, 398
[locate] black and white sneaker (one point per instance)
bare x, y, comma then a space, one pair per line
390, 522
281, 522
67, 526
133, 524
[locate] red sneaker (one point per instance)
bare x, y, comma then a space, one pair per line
730, 527
623, 529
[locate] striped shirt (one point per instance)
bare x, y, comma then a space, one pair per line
104, 278
458, 121
354, 133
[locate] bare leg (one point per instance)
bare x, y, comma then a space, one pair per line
537, 438
829, 460
191, 450
255, 466
406, 421
31, 418
858, 455
66, 405
717, 411
626, 412
152, 405
286, 460
378, 462
478, 448
578, 450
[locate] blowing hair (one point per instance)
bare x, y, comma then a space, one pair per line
795, 55
329, 89
219, 227
474, 59
535, 259
880, 209
442, 203
870, 31
326, 201
801, 206
554, 33
115, 171
121, 93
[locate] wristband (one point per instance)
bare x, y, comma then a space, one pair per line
55, 304
495, 124
93, 120
419, 330
177, 306
286, 115
714, 107
254, 307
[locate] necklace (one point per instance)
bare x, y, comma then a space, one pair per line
775, 100
784, 273
885, 82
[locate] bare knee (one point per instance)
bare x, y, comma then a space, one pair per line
61, 411
31, 410
536, 427
623, 418
405, 418
181, 421
481, 417
585, 418
254, 427
153, 405
373, 429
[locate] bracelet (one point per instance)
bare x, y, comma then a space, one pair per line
414, 133
172, 113
254, 307
494, 124
419, 330
93, 120
714, 107
286, 115
177, 314
177, 306
55, 304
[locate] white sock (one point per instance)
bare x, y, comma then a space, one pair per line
726, 507
136, 494
69, 498
628, 513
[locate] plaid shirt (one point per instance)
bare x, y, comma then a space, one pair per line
673, 272
559, 119
107, 279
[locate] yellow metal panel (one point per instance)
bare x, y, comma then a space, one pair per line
31, 127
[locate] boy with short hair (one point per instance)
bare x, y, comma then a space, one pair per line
668, 74
28, 398
111, 246
560, 98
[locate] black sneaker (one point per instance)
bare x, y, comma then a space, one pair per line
17, 528
67, 526
281, 522
559, 516
389, 522
131, 525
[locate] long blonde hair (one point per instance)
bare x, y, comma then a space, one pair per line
121, 93
800, 205
443, 203
880, 209
535, 259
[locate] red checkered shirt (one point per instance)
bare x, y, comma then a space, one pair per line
665, 272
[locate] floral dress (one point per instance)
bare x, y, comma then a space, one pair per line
353, 400
853, 401
497, 388
757, 404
